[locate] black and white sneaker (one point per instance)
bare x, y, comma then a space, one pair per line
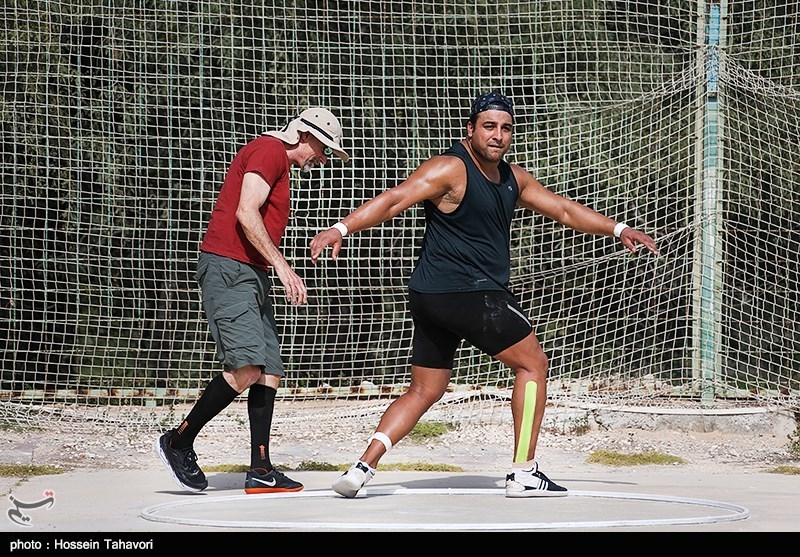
182, 463
354, 479
260, 481
532, 483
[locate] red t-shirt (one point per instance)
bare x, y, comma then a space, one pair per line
224, 236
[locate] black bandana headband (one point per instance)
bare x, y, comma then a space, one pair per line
491, 101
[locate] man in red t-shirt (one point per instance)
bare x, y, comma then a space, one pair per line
242, 242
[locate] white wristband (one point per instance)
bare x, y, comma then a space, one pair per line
619, 228
341, 228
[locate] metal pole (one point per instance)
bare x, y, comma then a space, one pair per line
710, 293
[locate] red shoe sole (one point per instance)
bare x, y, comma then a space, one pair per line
254, 490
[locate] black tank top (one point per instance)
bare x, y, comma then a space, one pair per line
468, 250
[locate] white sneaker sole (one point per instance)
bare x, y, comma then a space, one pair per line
517, 493
346, 486
165, 460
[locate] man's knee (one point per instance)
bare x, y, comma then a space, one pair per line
241, 378
527, 354
540, 362
534, 366
427, 396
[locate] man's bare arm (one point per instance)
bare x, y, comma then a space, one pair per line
534, 196
431, 180
255, 191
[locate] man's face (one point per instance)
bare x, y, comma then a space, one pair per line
490, 137
314, 153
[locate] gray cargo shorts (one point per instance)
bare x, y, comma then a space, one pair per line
237, 304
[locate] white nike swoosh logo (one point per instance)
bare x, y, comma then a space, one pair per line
269, 483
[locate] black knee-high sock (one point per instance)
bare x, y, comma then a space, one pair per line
260, 404
215, 398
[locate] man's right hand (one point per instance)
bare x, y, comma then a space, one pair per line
296, 291
330, 237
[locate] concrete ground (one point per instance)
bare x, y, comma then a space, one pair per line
116, 491
645, 499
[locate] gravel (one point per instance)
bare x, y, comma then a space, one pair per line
473, 447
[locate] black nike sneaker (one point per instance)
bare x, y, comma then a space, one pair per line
182, 463
260, 481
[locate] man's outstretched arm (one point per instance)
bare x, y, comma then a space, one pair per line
534, 196
429, 181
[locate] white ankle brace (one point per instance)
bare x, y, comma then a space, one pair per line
383, 438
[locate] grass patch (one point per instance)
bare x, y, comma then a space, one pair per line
417, 467
313, 466
794, 442
611, 458
578, 426
786, 470
424, 431
17, 428
26, 470
306, 465
421, 433
231, 468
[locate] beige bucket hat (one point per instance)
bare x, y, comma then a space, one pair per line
320, 122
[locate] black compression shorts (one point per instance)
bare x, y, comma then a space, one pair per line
489, 320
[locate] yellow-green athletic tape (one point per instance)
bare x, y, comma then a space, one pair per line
528, 410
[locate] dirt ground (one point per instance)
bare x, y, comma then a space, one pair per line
754, 442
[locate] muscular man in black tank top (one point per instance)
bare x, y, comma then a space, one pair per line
459, 289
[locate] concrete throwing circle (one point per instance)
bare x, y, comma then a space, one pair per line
373, 509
